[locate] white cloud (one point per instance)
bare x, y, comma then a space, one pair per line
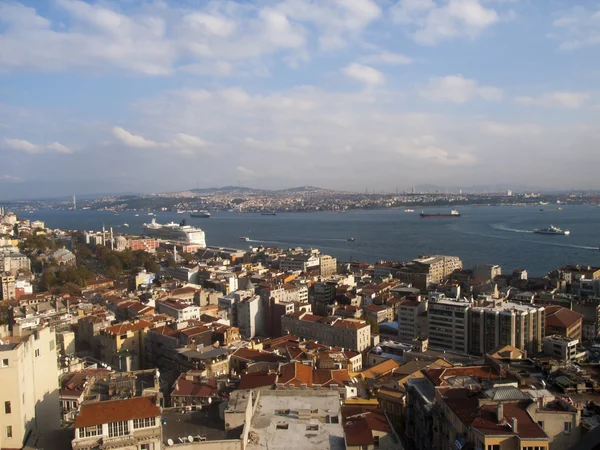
10, 179
21, 145
132, 140
569, 100
577, 28
433, 21
386, 58
364, 74
457, 89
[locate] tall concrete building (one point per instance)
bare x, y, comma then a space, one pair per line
497, 323
412, 319
251, 316
447, 323
327, 266
28, 388
8, 291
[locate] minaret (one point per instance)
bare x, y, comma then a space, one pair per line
112, 239
74, 203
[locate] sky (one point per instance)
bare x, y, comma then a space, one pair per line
106, 96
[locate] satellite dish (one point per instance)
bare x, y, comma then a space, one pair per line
190, 439
170, 442
209, 400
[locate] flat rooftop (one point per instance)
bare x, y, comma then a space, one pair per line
306, 419
205, 423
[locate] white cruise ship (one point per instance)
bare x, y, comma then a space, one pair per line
175, 232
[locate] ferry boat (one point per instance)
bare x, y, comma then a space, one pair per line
453, 214
201, 214
244, 238
552, 230
175, 232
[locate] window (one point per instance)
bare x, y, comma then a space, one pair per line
37, 352
282, 426
376, 441
9, 431
144, 423
118, 429
7, 407
567, 427
5, 362
145, 447
94, 430
494, 447
312, 427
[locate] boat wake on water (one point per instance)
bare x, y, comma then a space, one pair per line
552, 244
512, 230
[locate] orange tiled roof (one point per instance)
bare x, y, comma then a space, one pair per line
116, 411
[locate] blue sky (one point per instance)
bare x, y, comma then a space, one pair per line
130, 96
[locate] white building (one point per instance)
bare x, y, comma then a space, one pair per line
560, 347
119, 424
299, 263
251, 317
179, 310
28, 388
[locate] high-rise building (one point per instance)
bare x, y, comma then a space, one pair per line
29, 388
411, 318
447, 323
496, 323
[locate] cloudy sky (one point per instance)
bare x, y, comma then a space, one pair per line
146, 96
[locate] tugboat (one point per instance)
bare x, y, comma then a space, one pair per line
552, 230
244, 238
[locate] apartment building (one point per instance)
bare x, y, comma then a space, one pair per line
299, 263
251, 317
427, 270
29, 387
327, 266
122, 345
412, 319
8, 291
496, 323
178, 309
119, 424
350, 334
564, 322
322, 295
447, 324
560, 347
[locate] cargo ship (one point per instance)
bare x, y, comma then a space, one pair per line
454, 213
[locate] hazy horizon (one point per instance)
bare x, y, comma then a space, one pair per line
163, 96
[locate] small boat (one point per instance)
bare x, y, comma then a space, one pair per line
150, 214
559, 209
453, 214
126, 225
351, 239
268, 214
244, 238
137, 215
409, 210
541, 209
180, 212
552, 230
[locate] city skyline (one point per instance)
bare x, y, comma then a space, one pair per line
105, 96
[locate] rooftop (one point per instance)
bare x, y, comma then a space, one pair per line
116, 411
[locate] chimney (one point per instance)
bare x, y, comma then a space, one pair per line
499, 412
514, 425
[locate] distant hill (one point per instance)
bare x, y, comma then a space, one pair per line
240, 189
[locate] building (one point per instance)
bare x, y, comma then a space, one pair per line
412, 319
447, 324
564, 322
367, 428
350, 334
300, 263
178, 309
591, 318
496, 323
486, 272
9, 291
322, 295
295, 419
63, 257
560, 347
12, 261
122, 345
378, 313
327, 266
119, 424
29, 388
427, 270
251, 317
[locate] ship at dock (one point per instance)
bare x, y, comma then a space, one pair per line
453, 214
175, 232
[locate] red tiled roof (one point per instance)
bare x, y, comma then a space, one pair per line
326, 377
562, 318
359, 423
351, 324
125, 327
257, 380
295, 374
192, 388
116, 411
255, 355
